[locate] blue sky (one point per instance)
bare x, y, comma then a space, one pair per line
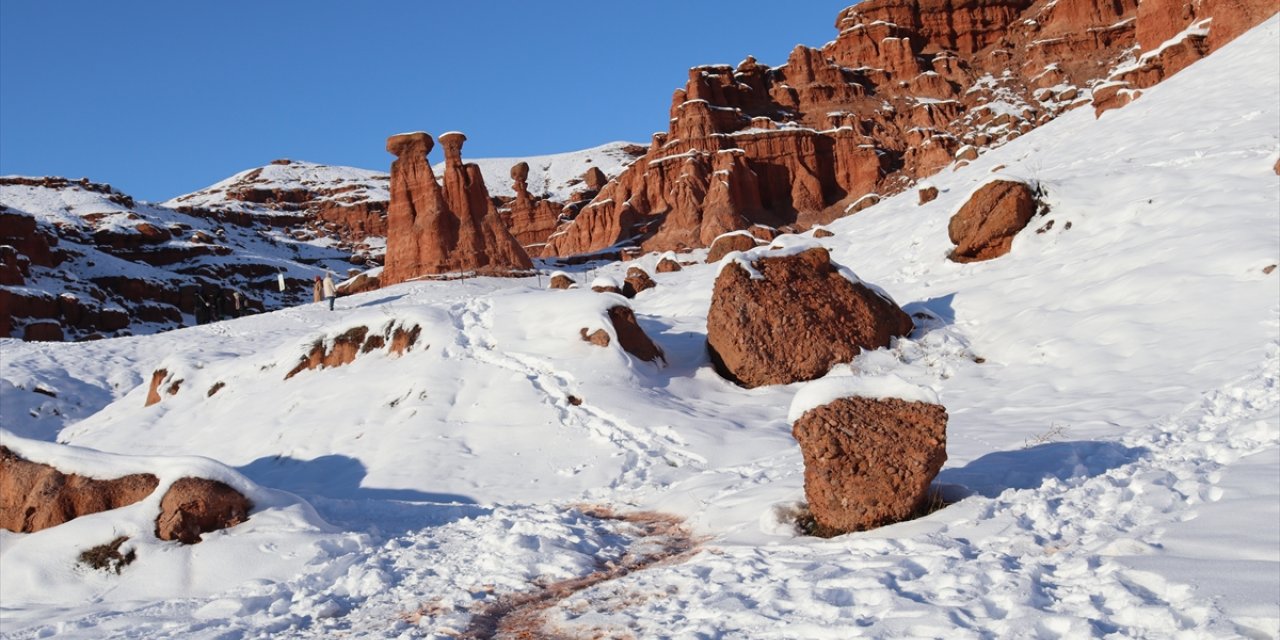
163, 98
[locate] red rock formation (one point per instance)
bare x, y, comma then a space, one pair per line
531, 220
631, 337
353, 342
796, 321
193, 506
868, 462
37, 496
434, 229
904, 87
928, 194
984, 226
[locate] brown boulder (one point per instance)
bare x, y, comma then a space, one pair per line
631, 337
985, 226
868, 462
637, 280
43, 331
560, 280
434, 228
728, 243
795, 320
595, 179
37, 496
667, 265
928, 194
193, 506
822, 233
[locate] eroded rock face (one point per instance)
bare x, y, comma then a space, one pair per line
344, 349
796, 321
194, 506
37, 496
905, 88
985, 226
435, 229
868, 462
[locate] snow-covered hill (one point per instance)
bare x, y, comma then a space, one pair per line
556, 176
1113, 387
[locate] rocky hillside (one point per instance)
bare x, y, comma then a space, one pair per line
906, 88
80, 259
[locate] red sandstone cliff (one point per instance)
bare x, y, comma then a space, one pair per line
906, 88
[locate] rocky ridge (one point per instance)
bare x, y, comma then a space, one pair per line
905, 89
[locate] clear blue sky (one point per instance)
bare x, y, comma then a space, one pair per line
163, 98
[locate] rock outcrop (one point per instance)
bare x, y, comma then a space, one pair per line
984, 226
728, 243
531, 220
631, 337
868, 462
905, 88
799, 316
37, 496
560, 280
434, 229
637, 280
195, 506
343, 349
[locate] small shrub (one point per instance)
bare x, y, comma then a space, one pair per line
107, 557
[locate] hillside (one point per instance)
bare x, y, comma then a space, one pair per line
1113, 386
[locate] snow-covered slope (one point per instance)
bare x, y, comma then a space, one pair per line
1113, 387
556, 176
311, 182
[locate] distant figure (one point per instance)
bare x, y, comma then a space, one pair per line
330, 291
237, 304
280, 279
202, 309
217, 304
317, 290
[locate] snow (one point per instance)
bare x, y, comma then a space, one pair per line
832, 388
1113, 442
556, 176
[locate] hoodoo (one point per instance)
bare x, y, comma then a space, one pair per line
434, 229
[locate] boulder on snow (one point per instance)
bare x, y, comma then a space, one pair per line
560, 280
631, 337
637, 280
985, 226
193, 506
868, 462
729, 242
605, 284
799, 316
667, 264
36, 496
353, 342
928, 194
822, 233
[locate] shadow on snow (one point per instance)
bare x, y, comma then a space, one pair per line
1028, 468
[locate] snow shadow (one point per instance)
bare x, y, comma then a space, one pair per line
333, 476
938, 309
381, 301
685, 351
1028, 468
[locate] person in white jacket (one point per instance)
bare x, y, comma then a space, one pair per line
330, 291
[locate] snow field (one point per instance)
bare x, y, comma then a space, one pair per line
1112, 388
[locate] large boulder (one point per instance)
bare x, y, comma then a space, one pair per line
730, 242
790, 317
985, 226
637, 280
193, 506
868, 461
36, 496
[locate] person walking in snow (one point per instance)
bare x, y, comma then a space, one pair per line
202, 309
330, 291
317, 290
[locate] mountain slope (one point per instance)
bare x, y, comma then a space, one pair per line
1113, 385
